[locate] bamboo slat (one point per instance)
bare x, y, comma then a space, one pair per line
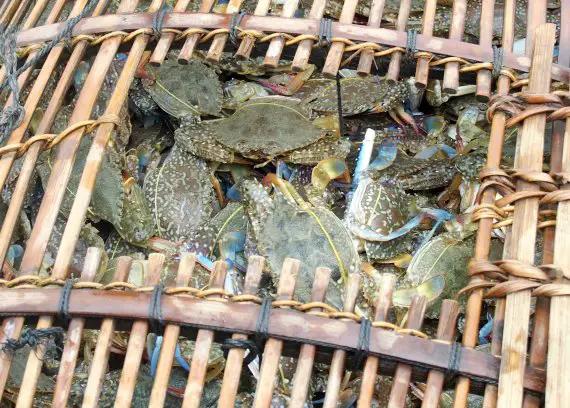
374, 20
204, 341
401, 24
529, 157
170, 338
104, 341
422, 67
273, 54
165, 41
451, 72
219, 41
336, 51
192, 40
485, 77
304, 49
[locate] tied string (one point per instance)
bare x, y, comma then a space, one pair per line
155, 310
411, 43
262, 325
63, 305
158, 19
13, 115
33, 338
363, 345
249, 345
235, 21
498, 57
453, 362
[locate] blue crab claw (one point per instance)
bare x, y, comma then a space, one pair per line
431, 289
439, 216
432, 150
486, 330
387, 151
282, 170
230, 244
327, 170
369, 234
233, 193
155, 345
205, 262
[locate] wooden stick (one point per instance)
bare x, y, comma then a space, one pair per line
422, 67
485, 76
204, 340
74, 334
98, 367
403, 373
483, 242
535, 15
246, 45
305, 47
374, 20
276, 45
219, 41
445, 331
193, 40
137, 340
303, 372
170, 338
385, 36
383, 304
403, 16
491, 390
334, 57
67, 150
234, 361
528, 157
9, 11
30, 159
274, 347
451, 72
558, 373
336, 370
163, 45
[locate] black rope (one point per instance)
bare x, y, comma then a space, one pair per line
411, 41
453, 362
262, 325
63, 305
235, 21
363, 345
250, 345
158, 19
325, 32
155, 309
339, 104
13, 116
32, 338
498, 56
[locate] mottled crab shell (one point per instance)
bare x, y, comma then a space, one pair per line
384, 209
137, 224
360, 95
183, 90
282, 229
180, 195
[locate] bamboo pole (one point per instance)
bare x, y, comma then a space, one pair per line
163, 45
305, 47
246, 45
336, 370
334, 57
445, 332
135, 348
403, 16
234, 361
483, 241
219, 41
276, 45
558, 371
204, 341
383, 304
451, 72
374, 20
403, 374
98, 367
306, 359
193, 40
10, 10
274, 347
485, 76
74, 334
528, 157
536, 15
491, 390
170, 338
422, 67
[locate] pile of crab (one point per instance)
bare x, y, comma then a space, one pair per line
233, 159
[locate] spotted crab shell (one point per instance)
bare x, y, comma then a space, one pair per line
265, 127
360, 95
180, 195
183, 90
316, 236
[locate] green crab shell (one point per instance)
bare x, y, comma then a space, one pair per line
360, 95
136, 225
180, 195
183, 90
261, 128
283, 230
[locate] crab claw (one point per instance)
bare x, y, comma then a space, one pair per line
405, 117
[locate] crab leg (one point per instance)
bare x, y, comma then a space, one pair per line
402, 117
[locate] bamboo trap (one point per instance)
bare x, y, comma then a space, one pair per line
294, 329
